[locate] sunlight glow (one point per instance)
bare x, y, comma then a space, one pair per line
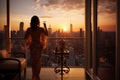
65, 29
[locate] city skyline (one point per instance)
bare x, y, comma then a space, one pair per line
57, 13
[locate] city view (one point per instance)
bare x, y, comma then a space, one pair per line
63, 22
74, 42
86, 34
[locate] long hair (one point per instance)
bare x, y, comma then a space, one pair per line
34, 22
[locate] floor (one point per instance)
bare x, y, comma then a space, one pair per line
49, 74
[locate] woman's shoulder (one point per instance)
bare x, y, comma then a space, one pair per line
28, 29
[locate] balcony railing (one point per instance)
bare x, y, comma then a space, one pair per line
74, 44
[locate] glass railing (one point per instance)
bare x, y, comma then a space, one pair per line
74, 45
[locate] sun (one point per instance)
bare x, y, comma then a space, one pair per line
65, 29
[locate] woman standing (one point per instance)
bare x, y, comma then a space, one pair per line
35, 40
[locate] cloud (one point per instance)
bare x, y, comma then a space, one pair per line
46, 17
69, 4
37, 0
62, 4
36, 7
107, 6
104, 6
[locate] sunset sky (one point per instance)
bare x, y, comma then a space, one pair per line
57, 13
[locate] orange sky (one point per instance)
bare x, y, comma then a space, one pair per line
57, 13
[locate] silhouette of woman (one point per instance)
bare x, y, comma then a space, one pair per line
35, 40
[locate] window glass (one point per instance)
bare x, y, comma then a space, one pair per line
3, 24
106, 39
64, 19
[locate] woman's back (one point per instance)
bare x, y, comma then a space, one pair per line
35, 37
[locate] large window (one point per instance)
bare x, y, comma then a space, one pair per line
105, 45
64, 19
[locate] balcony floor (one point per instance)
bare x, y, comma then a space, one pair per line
49, 74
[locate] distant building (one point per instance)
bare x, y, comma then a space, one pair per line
21, 26
81, 33
49, 30
81, 46
21, 32
17, 39
6, 30
13, 34
71, 28
6, 35
2, 40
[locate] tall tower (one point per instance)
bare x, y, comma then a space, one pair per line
21, 26
71, 28
49, 29
20, 33
5, 29
81, 33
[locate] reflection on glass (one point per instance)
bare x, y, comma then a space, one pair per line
3, 14
3, 26
106, 40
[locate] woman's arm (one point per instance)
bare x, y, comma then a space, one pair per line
28, 38
45, 28
43, 40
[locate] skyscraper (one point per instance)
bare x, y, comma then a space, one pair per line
81, 33
49, 29
20, 33
21, 26
71, 28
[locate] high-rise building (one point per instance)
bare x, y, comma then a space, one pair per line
2, 41
20, 33
6, 31
49, 29
81, 33
6, 36
5, 28
71, 28
21, 26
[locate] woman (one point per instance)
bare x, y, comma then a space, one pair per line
35, 40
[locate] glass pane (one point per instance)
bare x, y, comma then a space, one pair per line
3, 14
64, 19
106, 39
3, 26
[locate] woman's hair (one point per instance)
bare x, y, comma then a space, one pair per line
34, 22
